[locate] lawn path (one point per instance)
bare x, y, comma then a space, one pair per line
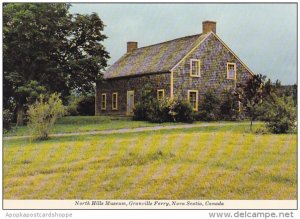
132, 130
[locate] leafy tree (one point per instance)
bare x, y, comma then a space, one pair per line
46, 45
31, 45
280, 90
251, 94
86, 55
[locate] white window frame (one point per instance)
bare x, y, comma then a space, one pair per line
163, 94
103, 95
199, 68
193, 91
112, 101
234, 64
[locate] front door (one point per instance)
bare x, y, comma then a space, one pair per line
130, 102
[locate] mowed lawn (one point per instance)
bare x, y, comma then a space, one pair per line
71, 124
216, 162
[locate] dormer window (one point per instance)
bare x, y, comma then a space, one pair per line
231, 71
195, 68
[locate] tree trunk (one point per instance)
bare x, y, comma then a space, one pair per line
20, 115
251, 121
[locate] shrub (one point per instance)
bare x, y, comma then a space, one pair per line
71, 108
229, 107
140, 112
280, 114
159, 111
141, 108
81, 105
7, 119
209, 109
43, 114
182, 111
165, 110
86, 106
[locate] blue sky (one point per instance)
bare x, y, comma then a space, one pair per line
264, 36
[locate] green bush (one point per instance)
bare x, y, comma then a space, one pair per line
71, 108
209, 109
142, 107
43, 114
86, 106
165, 110
159, 111
280, 114
140, 112
182, 111
229, 107
81, 105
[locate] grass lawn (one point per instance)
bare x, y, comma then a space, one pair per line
88, 123
217, 162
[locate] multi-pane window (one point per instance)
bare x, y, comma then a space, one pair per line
193, 99
160, 94
195, 68
231, 71
103, 101
115, 101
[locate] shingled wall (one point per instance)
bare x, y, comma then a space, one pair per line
122, 85
214, 57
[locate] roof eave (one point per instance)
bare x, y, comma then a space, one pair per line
136, 75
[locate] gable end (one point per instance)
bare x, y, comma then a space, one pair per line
227, 47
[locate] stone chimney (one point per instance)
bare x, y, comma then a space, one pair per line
131, 46
208, 26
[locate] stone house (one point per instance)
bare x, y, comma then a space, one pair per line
183, 68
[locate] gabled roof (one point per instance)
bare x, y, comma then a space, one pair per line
156, 58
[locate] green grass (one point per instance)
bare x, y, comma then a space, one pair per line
214, 162
87, 123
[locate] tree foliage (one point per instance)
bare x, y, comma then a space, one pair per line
45, 48
280, 114
251, 95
